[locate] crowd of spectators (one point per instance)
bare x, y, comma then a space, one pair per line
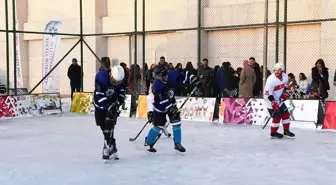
224, 81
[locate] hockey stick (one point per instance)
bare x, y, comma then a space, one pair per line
269, 118
131, 139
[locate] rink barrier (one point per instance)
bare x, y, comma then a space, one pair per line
196, 109
82, 103
252, 111
330, 116
30, 105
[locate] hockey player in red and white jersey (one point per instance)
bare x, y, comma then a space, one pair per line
275, 96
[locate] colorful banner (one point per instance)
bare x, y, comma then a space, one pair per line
51, 45
330, 116
29, 105
253, 111
196, 109
82, 103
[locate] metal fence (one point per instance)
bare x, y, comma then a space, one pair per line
296, 33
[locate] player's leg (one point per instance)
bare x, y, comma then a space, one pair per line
158, 123
276, 118
175, 121
285, 116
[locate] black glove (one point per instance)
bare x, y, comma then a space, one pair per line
113, 110
175, 111
150, 116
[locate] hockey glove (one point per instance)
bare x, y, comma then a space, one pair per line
284, 96
113, 110
275, 106
150, 116
175, 112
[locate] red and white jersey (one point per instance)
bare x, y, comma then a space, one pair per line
274, 86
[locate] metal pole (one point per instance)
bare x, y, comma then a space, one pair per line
285, 35
7, 46
73, 47
91, 50
144, 33
265, 43
277, 31
199, 36
14, 47
81, 42
135, 39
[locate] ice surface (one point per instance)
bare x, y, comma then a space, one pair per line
66, 150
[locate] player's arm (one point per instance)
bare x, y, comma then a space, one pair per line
268, 93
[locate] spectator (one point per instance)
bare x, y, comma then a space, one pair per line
247, 81
190, 70
268, 72
216, 89
151, 75
258, 85
127, 72
105, 63
225, 80
163, 61
320, 77
303, 83
206, 77
75, 76
3, 89
292, 85
146, 76
335, 78
170, 66
179, 66
238, 72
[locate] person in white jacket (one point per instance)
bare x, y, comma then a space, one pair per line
303, 83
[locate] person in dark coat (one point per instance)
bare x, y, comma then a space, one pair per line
75, 76
320, 76
206, 77
258, 84
226, 80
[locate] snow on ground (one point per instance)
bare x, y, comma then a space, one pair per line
66, 150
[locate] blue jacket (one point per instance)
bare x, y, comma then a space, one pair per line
105, 94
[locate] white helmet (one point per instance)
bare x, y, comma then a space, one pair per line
117, 73
279, 66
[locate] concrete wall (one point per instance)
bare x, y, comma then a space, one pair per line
306, 43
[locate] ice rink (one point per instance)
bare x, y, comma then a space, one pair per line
66, 150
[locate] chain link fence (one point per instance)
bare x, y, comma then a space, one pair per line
141, 31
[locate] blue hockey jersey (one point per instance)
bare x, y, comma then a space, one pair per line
105, 93
163, 92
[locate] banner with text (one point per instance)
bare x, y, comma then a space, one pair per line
51, 44
29, 105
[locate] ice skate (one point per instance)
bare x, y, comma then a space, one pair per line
106, 152
276, 135
180, 149
289, 135
151, 149
114, 151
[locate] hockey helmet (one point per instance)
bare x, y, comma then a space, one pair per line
117, 75
279, 66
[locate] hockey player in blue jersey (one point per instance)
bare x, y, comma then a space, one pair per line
165, 104
109, 95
